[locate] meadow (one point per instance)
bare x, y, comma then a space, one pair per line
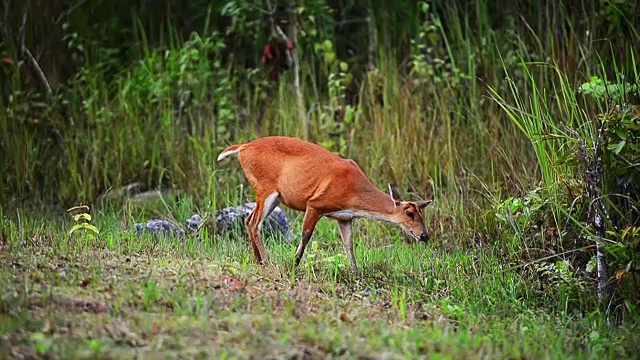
521, 123
117, 295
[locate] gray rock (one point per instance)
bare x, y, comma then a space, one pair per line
228, 221
194, 223
231, 220
158, 227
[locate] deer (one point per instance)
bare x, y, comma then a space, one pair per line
307, 177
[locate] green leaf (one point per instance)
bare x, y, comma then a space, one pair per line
349, 114
42, 343
83, 207
562, 265
82, 216
84, 226
591, 265
333, 258
94, 345
329, 57
621, 134
75, 228
616, 148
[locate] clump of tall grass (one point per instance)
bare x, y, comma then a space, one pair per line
586, 178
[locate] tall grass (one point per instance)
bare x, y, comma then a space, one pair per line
138, 127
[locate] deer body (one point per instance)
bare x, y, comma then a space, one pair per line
307, 177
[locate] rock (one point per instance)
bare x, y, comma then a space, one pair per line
158, 227
194, 223
122, 192
227, 221
231, 220
149, 196
138, 194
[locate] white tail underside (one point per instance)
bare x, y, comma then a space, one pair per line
228, 153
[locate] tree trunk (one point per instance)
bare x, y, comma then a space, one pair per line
601, 258
371, 50
595, 194
302, 114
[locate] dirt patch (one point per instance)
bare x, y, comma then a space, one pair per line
79, 305
230, 283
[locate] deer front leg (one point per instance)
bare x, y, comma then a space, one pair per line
345, 233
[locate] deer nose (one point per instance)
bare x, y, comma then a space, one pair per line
424, 236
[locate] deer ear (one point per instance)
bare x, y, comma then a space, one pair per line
394, 194
423, 203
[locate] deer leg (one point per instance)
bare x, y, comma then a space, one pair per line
254, 235
270, 204
345, 233
311, 217
264, 206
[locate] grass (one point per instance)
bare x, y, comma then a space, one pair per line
120, 296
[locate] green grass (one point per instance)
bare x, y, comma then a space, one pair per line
117, 295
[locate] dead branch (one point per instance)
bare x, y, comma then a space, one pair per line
22, 34
5, 20
29, 60
69, 11
371, 61
296, 79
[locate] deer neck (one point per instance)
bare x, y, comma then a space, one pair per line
374, 204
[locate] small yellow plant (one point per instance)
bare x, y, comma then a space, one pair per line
81, 219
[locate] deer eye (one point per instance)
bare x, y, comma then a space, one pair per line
409, 214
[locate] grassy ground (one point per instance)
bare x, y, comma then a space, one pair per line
119, 296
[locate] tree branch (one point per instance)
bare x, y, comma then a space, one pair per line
371, 61
22, 34
5, 20
38, 70
29, 60
69, 11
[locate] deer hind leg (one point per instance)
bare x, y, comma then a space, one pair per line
311, 217
345, 233
264, 207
